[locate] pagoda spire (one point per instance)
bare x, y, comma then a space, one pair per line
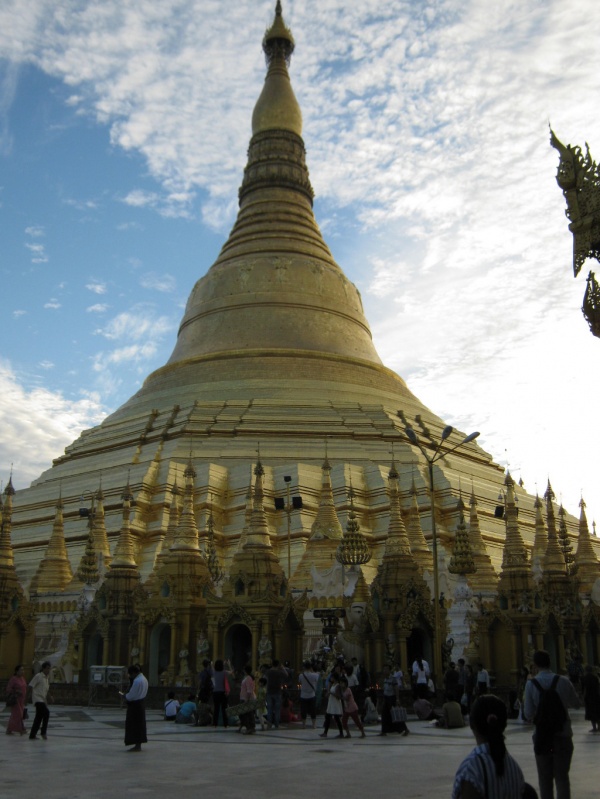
462, 561
540, 541
277, 107
7, 558
255, 569
418, 544
397, 542
99, 533
258, 534
554, 559
124, 553
515, 552
565, 542
54, 572
586, 561
485, 577
326, 533
515, 582
326, 523
88, 573
186, 535
167, 542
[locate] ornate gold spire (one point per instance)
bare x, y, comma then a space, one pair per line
212, 556
7, 559
588, 569
88, 573
554, 560
277, 107
397, 543
565, 542
418, 544
124, 552
99, 533
326, 523
326, 533
514, 556
485, 577
54, 572
540, 541
255, 569
186, 535
462, 561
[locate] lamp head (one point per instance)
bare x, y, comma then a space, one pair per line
411, 435
446, 431
470, 437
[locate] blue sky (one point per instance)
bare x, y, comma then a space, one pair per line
123, 137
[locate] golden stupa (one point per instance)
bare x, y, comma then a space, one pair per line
274, 375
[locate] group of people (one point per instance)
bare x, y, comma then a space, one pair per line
16, 697
488, 771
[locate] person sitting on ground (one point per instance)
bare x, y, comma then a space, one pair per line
489, 771
424, 710
187, 713
452, 716
171, 707
287, 709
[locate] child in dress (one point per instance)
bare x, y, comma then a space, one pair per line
335, 706
350, 709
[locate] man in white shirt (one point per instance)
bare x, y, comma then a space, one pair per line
135, 721
39, 695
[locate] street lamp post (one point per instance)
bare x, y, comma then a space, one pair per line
431, 459
293, 503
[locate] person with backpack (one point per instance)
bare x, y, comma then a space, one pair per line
547, 697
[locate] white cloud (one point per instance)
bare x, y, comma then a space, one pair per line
99, 307
38, 424
96, 287
46, 365
35, 230
39, 253
164, 283
139, 198
52, 304
139, 323
19, 313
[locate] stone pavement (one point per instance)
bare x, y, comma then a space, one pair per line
85, 758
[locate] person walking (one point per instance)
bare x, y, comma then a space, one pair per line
308, 679
451, 682
277, 677
553, 760
16, 691
489, 772
135, 719
335, 706
591, 697
420, 676
220, 693
40, 686
390, 700
247, 694
350, 708
483, 680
